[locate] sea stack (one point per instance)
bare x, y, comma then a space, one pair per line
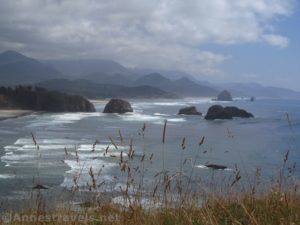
117, 106
224, 96
192, 110
219, 112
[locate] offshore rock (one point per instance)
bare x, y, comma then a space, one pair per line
192, 110
219, 112
117, 106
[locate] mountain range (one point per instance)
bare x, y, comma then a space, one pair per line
95, 90
16, 68
258, 90
99, 78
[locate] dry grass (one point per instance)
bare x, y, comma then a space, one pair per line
175, 198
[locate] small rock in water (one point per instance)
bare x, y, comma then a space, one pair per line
192, 110
40, 186
216, 167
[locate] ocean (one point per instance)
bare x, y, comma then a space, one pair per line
70, 145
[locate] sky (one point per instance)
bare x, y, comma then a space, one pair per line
214, 40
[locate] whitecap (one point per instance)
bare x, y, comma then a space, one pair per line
60, 119
202, 167
18, 158
177, 120
10, 148
140, 117
170, 103
23, 141
80, 171
83, 166
7, 176
198, 100
160, 114
99, 147
26, 141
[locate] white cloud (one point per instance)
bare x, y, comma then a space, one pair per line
276, 40
157, 33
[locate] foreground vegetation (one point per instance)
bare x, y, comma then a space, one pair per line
276, 207
175, 198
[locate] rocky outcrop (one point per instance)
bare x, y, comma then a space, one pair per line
236, 112
77, 103
117, 106
40, 99
224, 96
219, 112
192, 110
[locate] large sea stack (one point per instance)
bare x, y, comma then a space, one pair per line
219, 112
117, 106
224, 96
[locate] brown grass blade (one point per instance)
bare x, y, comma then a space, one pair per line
113, 142
202, 141
121, 138
164, 132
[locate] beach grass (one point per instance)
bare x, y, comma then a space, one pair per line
172, 199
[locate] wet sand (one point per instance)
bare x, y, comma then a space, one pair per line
13, 113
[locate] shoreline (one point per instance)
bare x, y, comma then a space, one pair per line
6, 114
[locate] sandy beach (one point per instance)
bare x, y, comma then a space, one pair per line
13, 113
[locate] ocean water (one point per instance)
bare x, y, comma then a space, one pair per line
67, 150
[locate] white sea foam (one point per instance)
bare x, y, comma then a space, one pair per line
33, 148
193, 101
10, 148
177, 120
24, 141
161, 114
7, 176
99, 147
81, 170
170, 103
202, 167
156, 118
19, 157
83, 166
33, 164
146, 203
69, 117
95, 155
140, 117
60, 119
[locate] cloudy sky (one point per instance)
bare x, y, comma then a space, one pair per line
215, 40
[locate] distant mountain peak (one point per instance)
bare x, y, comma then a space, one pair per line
11, 52
11, 56
185, 79
16, 68
156, 76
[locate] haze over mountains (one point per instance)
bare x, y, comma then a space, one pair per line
16, 68
106, 78
95, 90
